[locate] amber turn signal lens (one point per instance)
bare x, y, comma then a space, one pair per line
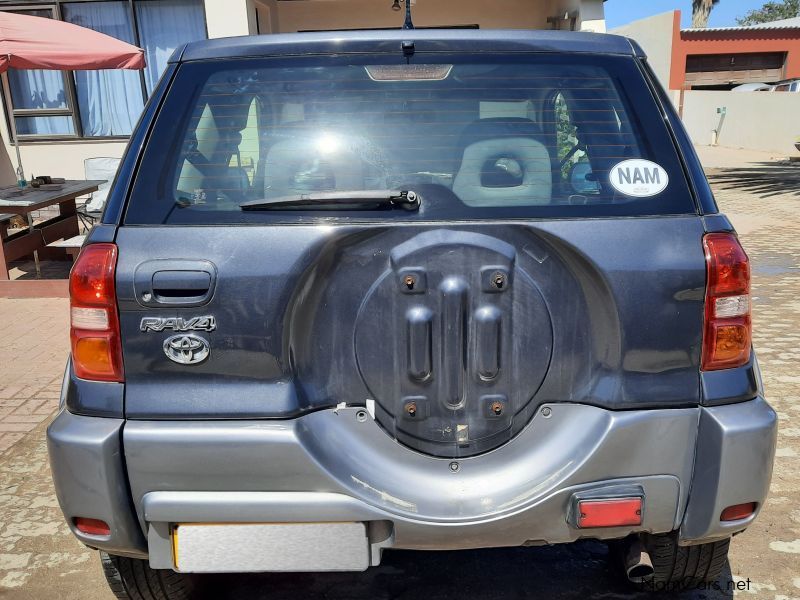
731, 343
94, 355
738, 512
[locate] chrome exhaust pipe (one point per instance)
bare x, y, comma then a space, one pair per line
638, 565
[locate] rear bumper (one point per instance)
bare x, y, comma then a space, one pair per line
336, 466
89, 476
735, 451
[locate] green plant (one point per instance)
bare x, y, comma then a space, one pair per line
771, 11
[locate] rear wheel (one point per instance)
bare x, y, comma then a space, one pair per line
133, 579
681, 567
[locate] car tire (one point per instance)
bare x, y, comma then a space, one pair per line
133, 579
679, 568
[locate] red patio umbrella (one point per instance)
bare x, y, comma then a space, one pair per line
28, 42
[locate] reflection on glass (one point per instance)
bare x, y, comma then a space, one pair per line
328, 144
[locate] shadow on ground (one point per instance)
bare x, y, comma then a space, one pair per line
764, 179
579, 570
25, 270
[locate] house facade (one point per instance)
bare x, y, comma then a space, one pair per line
717, 57
63, 118
701, 67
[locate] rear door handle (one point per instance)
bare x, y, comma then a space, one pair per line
180, 286
176, 282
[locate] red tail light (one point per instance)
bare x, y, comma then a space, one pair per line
96, 346
728, 330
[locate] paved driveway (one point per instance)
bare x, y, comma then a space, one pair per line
40, 560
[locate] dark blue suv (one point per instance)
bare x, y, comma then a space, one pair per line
410, 289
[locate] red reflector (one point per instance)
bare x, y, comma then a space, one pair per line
614, 512
738, 511
92, 526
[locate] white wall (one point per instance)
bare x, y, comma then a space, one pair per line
57, 159
502, 14
226, 18
362, 14
654, 35
755, 120
592, 15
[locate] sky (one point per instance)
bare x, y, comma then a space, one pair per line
620, 12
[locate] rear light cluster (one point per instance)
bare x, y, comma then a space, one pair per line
728, 330
96, 346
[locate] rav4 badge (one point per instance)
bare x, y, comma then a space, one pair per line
203, 323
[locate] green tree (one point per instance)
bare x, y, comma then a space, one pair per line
701, 9
771, 11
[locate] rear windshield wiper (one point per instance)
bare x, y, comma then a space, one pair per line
406, 199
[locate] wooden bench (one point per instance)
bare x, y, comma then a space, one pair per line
72, 246
34, 239
14, 246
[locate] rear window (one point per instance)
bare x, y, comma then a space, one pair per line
488, 136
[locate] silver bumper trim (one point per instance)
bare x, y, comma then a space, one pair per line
735, 451
90, 480
334, 451
544, 523
520, 493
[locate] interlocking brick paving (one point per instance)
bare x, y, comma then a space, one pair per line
40, 560
33, 345
768, 221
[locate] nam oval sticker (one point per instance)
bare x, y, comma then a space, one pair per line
639, 178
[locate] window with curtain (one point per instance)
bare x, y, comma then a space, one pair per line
108, 102
163, 26
38, 95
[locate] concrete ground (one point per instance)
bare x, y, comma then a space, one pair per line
39, 560
722, 157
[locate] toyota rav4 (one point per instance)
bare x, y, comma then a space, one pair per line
408, 289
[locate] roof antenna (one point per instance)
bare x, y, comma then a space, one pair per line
409, 24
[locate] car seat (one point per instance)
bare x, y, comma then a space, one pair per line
504, 163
